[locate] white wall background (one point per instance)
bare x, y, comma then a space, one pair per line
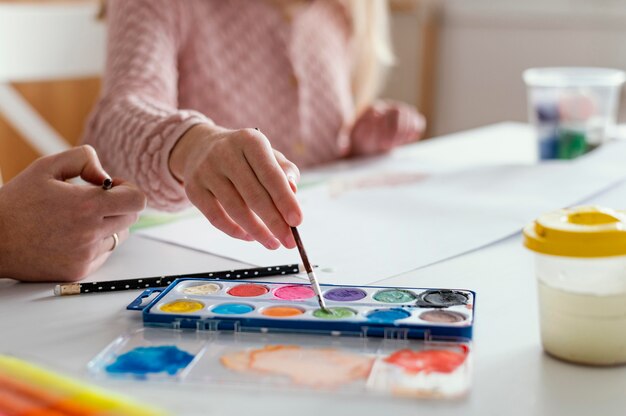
484, 46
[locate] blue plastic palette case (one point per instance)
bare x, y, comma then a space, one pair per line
369, 310
394, 341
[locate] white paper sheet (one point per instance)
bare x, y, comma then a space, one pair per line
355, 230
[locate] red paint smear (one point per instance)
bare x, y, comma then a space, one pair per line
248, 290
431, 361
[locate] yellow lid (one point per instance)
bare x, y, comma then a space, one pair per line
586, 231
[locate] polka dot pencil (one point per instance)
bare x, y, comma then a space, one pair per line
162, 281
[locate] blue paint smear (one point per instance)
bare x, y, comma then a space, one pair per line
387, 316
232, 309
144, 360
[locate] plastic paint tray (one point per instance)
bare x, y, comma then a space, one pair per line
290, 362
253, 306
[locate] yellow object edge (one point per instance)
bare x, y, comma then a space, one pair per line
586, 231
110, 404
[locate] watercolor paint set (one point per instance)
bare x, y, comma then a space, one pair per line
370, 311
411, 342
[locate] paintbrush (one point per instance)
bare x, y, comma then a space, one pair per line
309, 270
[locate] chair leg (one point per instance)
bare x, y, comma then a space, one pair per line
430, 17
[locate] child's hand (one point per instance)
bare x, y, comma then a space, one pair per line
385, 125
53, 230
243, 186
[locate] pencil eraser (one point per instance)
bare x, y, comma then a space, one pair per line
57, 290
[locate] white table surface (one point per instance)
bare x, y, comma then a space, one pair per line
512, 375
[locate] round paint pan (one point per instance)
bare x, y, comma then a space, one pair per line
143, 361
232, 309
345, 294
294, 292
201, 289
282, 311
182, 306
442, 317
248, 290
441, 298
387, 316
335, 313
395, 296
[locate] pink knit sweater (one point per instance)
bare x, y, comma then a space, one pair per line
238, 63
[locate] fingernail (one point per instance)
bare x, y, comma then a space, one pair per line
291, 242
294, 219
292, 182
272, 244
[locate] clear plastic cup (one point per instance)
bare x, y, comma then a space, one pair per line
580, 263
573, 109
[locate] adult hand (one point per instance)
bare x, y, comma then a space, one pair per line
385, 125
52, 230
243, 186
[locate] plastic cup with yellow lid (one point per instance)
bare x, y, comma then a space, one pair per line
580, 263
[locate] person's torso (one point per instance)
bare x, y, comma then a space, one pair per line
251, 64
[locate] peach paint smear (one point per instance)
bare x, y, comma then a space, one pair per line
318, 368
339, 187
